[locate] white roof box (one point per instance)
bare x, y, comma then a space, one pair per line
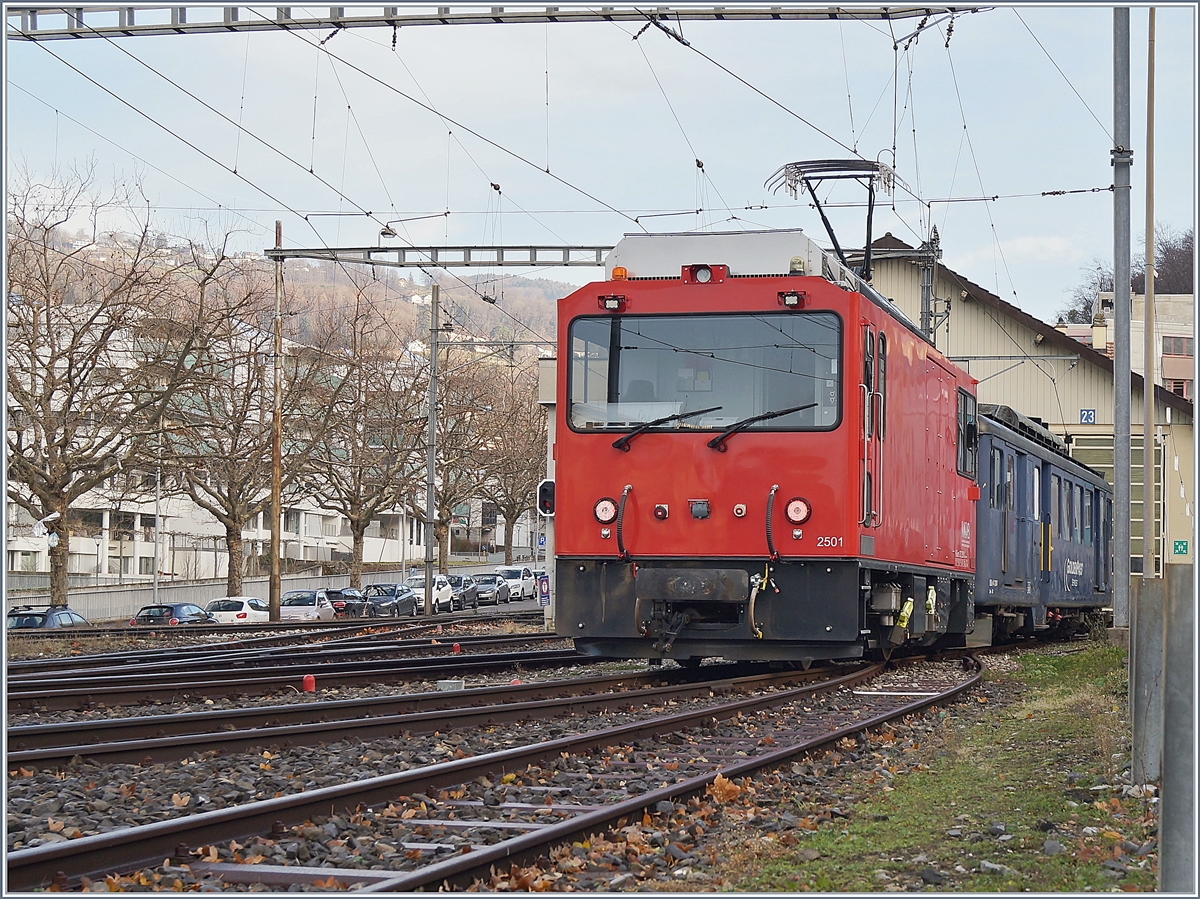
744, 252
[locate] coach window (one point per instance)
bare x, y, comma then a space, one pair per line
997, 495
1035, 492
1010, 483
1065, 507
968, 436
1055, 501
1077, 513
1087, 517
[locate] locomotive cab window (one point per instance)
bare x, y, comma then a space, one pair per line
630, 370
968, 436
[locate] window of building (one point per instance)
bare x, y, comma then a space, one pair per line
1178, 346
291, 521
1181, 387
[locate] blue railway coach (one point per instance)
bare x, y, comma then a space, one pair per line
1044, 531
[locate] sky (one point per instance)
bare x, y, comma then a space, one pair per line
452, 130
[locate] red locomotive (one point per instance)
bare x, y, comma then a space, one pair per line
757, 457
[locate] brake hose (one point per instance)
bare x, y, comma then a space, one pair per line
621, 522
770, 516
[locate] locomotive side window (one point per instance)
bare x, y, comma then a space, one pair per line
882, 383
968, 436
1010, 484
1087, 517
869, 379
1077, 513
629, 370
1035, 492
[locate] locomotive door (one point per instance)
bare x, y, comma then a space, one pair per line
940, 461
1033, 522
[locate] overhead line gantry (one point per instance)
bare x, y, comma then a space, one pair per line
46, 23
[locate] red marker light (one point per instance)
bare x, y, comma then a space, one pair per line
310, 683
173, 621
132, 622
457, 648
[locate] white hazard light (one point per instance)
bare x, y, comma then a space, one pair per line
798, 510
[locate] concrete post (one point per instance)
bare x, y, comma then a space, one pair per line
1177, 806
1145, 681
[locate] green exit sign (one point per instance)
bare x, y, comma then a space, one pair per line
1181, 547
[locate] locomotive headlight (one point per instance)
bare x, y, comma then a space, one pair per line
605, 510
798, 510
703, 274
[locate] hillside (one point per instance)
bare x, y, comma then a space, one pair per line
524, 308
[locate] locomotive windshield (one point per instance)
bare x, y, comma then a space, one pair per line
629, 370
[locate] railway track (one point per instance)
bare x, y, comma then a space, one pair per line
160, 738
449, 822
130, 689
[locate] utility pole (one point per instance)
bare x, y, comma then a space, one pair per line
1122, 161
431, 455
277, 436
1148, 517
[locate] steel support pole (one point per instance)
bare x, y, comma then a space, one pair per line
1146, 619
1122, 161
431, 450
276, 581
1177, 808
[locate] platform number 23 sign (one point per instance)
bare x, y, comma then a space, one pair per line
1087, 416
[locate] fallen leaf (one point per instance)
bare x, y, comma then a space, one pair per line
56, 826
179, 800
723, 790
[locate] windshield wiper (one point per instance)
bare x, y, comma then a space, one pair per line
622, 443
718, 442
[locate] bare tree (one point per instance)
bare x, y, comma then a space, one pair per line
464, 396
1173, 273
369, 459
99, 328
1174, 262
220, 436
516, 459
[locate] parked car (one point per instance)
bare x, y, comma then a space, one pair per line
492, 588
521, 584
172, 613
239, 610
347, 602
389, 600
305, 605
442, 592
28, 617
465, 592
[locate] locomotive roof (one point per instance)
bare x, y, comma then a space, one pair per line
747, 254
1033, 431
